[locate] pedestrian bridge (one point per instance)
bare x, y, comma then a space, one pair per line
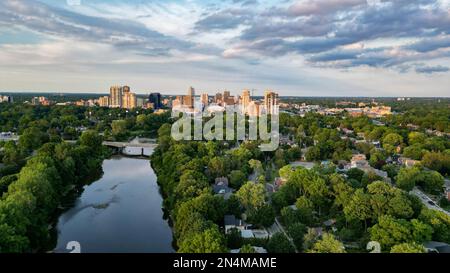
129, 144
133, 148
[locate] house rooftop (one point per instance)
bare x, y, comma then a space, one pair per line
231, 220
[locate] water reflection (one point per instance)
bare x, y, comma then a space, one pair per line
121, 212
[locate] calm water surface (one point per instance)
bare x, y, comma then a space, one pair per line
121, 212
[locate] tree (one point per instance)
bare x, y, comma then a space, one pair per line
385, 199
430, 181
408, 248
328, 244
390, 231
217, 167
247, 249
92, 140
32, 138
208, 206
440, 223
304, 210
256, 166
234, 238
252, 195
416, 138
119, 129
421, 232
263, 216
297, 232
438, 162
359, 207
415, 152
313, 154
208, 241
355, 173
278, 243
192, 184
286, 172
391, 142
341, 190
237, 179
377, 159
407, 177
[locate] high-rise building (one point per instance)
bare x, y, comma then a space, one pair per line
103, 101
245, 101
191, 91
226, 94
188, 100
218, 98
204, 99
115, 95
177, 102
129, 100
254, 109
271, 102
155, 98
140, 102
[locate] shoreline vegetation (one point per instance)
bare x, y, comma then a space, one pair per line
56, 174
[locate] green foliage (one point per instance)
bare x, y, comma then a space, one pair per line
208, 241
34, 194
430, 181
328, 244
439, 221
247, 249
407, 177
234, 239
297, 232
438, 162
408, 248
263, 216
252, 195
278, 243
416, 138
390, 231
237, 179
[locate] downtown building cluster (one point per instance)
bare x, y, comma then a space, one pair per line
245, 102
122, 97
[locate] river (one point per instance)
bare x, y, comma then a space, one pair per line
121, 212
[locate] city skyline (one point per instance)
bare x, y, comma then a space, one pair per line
299, 48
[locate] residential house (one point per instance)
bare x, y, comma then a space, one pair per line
437, 247
230, 222
221, 187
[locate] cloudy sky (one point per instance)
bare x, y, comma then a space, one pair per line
303, 48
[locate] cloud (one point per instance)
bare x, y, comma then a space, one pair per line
322, 7
432, 69
125, 34
430, 44
225, 19
320, 30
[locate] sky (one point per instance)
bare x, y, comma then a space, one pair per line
296, 48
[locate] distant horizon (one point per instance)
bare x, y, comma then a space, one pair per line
94, 93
